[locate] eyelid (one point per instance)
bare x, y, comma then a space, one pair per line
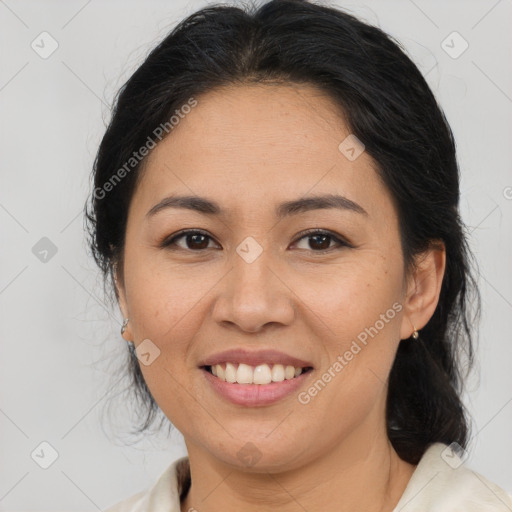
171, 240
342, 241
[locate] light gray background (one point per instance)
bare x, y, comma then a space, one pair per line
58, 338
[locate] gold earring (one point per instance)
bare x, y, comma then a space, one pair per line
415, 334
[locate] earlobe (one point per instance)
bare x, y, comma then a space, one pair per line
424, 288
125, 327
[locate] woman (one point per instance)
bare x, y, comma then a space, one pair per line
276, 206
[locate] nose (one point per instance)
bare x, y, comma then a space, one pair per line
253, 295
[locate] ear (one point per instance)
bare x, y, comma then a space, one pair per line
423, 288
123, 305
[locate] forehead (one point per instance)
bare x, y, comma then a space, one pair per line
253, 142
260, 121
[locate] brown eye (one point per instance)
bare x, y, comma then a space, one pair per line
188, 240
196, 241
193, 240
320, 241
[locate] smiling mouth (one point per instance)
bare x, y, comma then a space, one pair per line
240, 373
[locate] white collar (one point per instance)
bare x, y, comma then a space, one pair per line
442, 483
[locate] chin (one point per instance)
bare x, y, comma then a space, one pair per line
262, 456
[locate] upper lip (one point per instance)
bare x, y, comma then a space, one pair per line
254, 358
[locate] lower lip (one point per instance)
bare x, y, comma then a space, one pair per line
254, 395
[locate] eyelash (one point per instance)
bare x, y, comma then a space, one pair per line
168, 242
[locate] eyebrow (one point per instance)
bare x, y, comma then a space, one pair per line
305, 204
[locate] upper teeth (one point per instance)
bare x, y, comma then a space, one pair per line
261, 374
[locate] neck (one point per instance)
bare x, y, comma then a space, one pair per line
360, 474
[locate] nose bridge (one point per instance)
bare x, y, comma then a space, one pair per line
252, 272
253, 295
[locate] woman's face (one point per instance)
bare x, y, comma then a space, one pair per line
254, 282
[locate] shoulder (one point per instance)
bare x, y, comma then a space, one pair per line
443, 483
163, 495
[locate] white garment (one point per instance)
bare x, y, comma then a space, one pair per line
440, 483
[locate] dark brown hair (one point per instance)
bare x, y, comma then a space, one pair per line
388, 106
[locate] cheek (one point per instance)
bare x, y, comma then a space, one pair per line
165, 299
360, 311
351, 296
